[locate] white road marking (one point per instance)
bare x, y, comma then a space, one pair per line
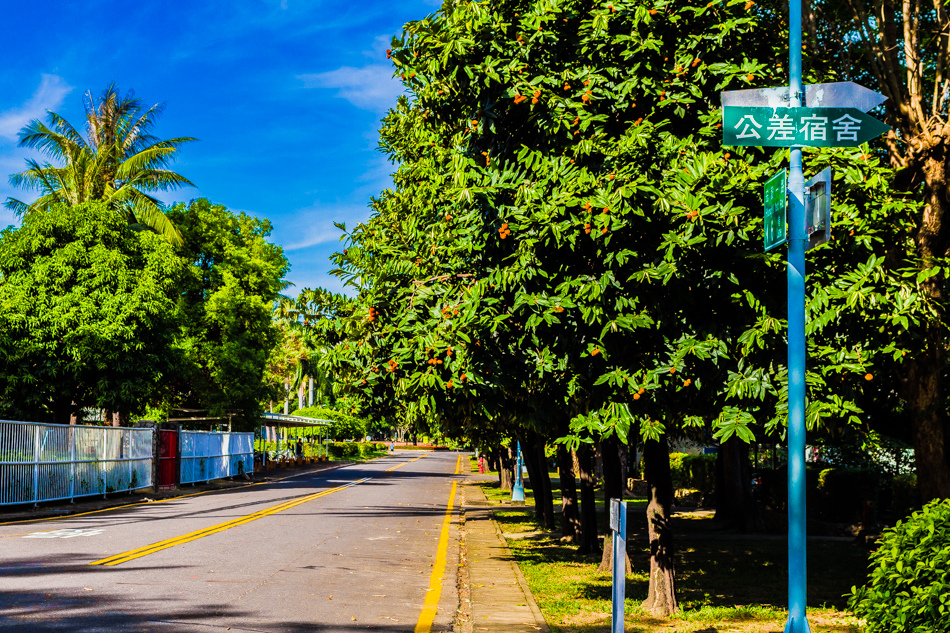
64, 533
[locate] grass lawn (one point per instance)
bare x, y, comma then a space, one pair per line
725, 582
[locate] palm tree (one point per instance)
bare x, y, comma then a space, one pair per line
118, 162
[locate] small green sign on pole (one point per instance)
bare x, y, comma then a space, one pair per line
776, 204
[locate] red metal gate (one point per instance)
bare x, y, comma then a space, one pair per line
167, 458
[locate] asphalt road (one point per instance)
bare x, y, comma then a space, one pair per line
347, 549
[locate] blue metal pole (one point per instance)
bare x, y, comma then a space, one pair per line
517, 491
796, 345
620, 569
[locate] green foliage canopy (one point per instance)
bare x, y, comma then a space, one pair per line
87, 313
567, 237
233, 277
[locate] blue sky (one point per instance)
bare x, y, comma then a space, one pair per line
285, 95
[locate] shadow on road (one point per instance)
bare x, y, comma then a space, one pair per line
79, 611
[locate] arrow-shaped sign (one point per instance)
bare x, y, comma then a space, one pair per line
807, 127
842, 94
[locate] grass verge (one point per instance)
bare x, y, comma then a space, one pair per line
725, 582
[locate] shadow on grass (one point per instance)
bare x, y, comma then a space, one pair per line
716, 573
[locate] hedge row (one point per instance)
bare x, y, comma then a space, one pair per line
846, 495
347, 450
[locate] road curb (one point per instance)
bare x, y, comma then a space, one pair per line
529, 597
504, 555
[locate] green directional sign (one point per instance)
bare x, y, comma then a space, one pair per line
775, 206
807, 127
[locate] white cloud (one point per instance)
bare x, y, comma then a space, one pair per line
48, 96
381, 43
370, 88
314, 226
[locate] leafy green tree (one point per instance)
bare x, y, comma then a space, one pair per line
538, 262
569, 252
118, 162
234, 275
315, 317
900, 49
88, 313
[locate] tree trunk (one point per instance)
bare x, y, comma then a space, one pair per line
587, 539
735, 506
614, 485
661, 599
607, 558
532, 451
505, 469
923, 385
570, 520
542, 488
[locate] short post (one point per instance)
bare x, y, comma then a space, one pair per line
72, 464
618, 525
517, 490
36, 464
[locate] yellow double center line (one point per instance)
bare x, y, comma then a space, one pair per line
125, 557
392, 468
431, 604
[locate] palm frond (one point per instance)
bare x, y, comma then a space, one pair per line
148, 212
36, 135
65, 128
158, 180
18, 207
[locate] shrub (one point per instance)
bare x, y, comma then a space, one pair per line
694, 472
343, 450
910, 576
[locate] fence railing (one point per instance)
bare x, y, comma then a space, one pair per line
212, 455
47, 462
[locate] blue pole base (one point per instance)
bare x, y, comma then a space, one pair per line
796, 625
517, 492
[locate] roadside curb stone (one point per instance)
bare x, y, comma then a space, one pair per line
501, 601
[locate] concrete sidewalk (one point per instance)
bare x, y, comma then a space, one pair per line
492, 591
